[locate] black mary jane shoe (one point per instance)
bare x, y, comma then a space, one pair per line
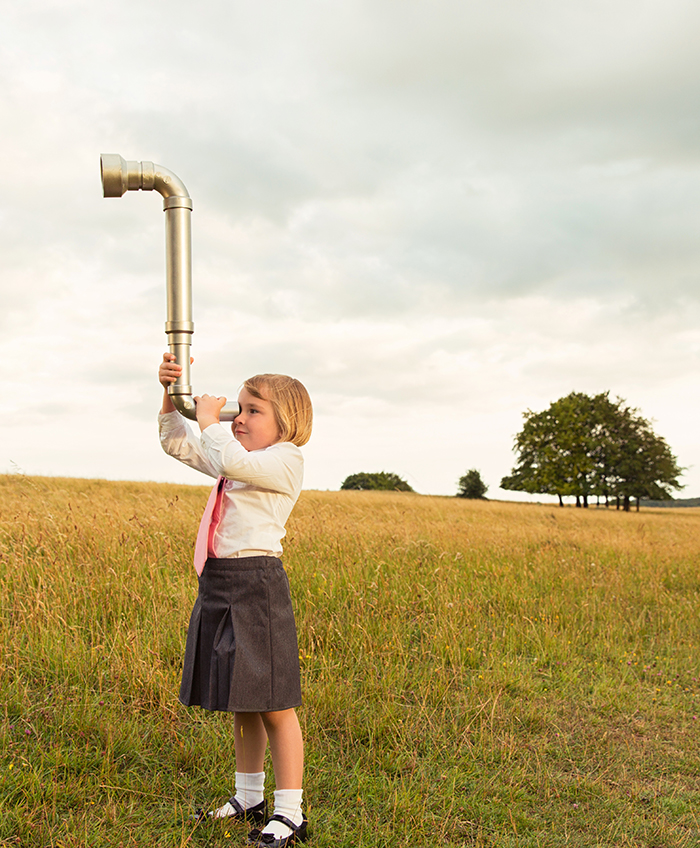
267, 840
252, 815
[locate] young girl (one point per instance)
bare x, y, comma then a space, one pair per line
241, 654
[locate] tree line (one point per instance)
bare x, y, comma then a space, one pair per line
470, 485
583, 447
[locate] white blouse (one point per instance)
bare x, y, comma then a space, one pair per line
260, 487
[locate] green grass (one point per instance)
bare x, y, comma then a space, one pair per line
474, 673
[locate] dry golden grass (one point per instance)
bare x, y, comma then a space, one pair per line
476, 673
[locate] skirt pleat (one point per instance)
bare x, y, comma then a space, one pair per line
241, 653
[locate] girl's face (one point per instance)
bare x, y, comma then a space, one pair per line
255, 427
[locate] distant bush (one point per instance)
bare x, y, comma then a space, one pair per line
383, 480
472, 486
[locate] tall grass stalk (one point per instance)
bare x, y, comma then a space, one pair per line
475, 673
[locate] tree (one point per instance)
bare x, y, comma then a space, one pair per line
472, 486
382, 480
582, 446
555, 449
645, 466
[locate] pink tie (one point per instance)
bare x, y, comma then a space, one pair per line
210, 519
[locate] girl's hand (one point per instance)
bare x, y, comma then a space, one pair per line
169, 370
208, 409
168, 373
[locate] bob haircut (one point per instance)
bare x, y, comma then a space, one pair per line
290, 402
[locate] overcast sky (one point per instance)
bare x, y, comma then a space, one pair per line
435, 214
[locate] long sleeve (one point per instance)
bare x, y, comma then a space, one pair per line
278, 468
178, 441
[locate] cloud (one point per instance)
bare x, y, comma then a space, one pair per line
436, 216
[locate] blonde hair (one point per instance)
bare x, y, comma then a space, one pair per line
291, 404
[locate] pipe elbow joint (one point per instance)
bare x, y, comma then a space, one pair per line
166, 183
120, 176
185, 405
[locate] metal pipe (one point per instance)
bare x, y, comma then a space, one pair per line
120, 176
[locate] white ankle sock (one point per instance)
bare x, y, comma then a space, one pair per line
249, 789
287, 803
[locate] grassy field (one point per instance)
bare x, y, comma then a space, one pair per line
475, 673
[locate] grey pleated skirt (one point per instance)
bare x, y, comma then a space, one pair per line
241, 653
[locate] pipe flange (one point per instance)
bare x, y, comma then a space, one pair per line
112, 168
179, 327
148, 176
177, 203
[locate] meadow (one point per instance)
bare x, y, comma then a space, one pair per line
474, 673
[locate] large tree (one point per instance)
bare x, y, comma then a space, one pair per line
582, 446
555, 450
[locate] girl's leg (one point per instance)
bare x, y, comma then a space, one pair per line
286, 747
250, 740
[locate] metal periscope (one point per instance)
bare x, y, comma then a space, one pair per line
120, 176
